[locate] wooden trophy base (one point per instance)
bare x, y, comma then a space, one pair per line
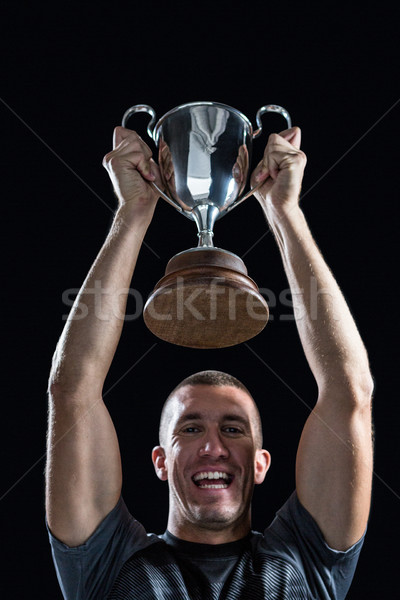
206, 300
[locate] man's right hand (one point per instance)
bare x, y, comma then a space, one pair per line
132, 170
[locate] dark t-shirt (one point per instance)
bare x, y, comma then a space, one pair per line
289, 561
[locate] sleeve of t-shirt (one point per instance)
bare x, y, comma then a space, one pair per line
87, 572
328, 572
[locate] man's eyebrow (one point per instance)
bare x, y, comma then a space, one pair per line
238, 418
227, 417
189, 417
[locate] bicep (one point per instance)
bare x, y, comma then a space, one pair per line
334, 469
83, 472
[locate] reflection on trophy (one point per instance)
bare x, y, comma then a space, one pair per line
206, 298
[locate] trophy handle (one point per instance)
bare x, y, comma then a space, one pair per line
267, 108
142, 108
270, 108
150, 131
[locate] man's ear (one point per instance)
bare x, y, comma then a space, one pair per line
160, 462
262, 463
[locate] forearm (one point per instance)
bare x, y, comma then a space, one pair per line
92, 332
331, 342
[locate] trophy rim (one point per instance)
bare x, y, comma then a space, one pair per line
158, 125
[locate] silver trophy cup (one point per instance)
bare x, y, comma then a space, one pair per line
204, 155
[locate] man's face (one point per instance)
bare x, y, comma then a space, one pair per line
211, 461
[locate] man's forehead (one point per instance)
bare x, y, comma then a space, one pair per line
204, 399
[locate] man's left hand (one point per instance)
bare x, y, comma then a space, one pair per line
282, 169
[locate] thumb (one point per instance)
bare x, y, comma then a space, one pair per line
156, 174
260, 173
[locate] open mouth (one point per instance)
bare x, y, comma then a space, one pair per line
212, 480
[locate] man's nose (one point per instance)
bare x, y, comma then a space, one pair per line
213, 445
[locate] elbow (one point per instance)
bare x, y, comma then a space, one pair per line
56, 388
55, 384
73, 384
369, 386
362, 389
360, 398
59, 379
353, 389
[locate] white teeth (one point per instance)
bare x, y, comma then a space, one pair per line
210, 475
214, 486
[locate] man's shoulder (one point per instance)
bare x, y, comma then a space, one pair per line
294, 542
86, 571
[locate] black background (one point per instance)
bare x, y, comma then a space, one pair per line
68, 74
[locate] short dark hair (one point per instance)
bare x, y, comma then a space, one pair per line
213, 378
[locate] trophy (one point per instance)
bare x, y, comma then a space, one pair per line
206, 298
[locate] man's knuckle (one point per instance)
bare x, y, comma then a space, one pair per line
106, 159
114, 162
135, 137
136, 144
302, 156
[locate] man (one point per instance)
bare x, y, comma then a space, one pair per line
210, 434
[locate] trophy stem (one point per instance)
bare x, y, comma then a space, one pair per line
205, 216
205, 239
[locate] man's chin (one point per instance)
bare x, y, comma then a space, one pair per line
215, 520
213, 524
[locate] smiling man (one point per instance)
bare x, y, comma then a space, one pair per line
211, 455
210, 450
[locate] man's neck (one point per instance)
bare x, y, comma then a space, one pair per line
203, 535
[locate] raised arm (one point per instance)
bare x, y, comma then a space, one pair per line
334, 460
83, 473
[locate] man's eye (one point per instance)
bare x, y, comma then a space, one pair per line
191, 430
231, 430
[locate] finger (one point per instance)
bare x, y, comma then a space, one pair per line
261, 172
116, 161
122, 133
274, 166
144, 168
293, 136
127, 147
133, 144
144, 165
119, 134
155, 171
